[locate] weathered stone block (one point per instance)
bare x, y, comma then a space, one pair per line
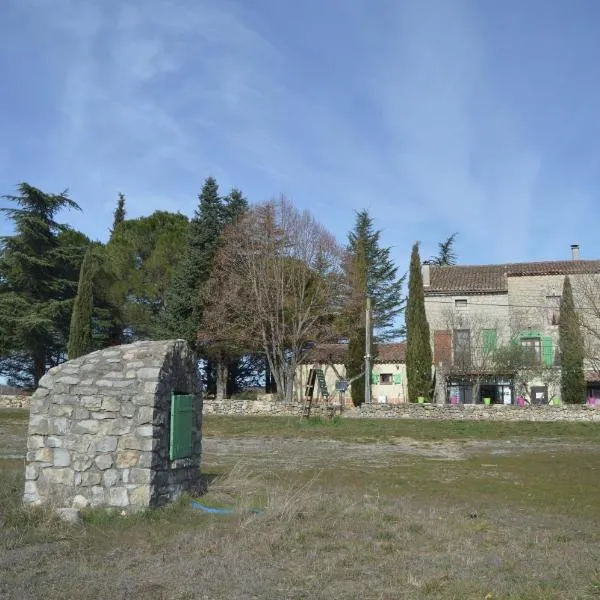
61, 457
89, 426
145, 431
127, 458
35, 441
58, 425
104, 415
104, 461
149, 373
32, 472
38, 425
43, 455
140, 476
91, 478
117, 427
31, 495
64, 476
81, 414
140, 496
145, 460
53, 441
117, 496
106, 444
111, 477
111, 404
80, 502
128, 409
91, 402
98, 496
67, 380
82, 463
145, 415
61, 410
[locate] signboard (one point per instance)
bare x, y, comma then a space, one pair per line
341, 385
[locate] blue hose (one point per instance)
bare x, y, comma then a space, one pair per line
222, 511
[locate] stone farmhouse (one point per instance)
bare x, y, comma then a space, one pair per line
388, 372
476, 312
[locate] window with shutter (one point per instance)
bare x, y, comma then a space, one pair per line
547, 351
489, 340
181, 439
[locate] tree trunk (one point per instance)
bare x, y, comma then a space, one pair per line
39, 367
222, 370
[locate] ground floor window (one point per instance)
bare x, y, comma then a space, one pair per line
473, 391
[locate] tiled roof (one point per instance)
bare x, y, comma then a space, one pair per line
338, 353
493, 278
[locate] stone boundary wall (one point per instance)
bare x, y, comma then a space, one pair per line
14, 401
432, 412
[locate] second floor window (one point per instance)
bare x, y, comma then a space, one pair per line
462, 347
533, 349
553, 307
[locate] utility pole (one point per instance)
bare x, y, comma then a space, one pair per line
368, 352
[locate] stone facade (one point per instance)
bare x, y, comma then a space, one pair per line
471, 412
11, 401
99, 428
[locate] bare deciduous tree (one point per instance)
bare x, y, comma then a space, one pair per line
276, 286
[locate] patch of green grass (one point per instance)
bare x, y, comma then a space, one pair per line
386, 430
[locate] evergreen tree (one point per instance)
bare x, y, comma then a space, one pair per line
39, 267
571, 349
235, 205
119, 214
370, 273
446, 254
80, 332
418, 346
205, 228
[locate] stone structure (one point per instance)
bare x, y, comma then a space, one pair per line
100, 427
438, 412
475, 310
14, 401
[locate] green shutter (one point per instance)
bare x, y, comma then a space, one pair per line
397, 378
489, 340
547, 351
375, 378
180, 445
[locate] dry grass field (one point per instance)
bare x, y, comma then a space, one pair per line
352, 509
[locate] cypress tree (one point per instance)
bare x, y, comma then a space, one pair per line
80, 332
418, 347
572, 382
119, 214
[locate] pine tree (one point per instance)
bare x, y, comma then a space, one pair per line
446, 254
80, 332
204, 232
370, 273
235, 205
39, 267
119, 214
418, 346
571, 349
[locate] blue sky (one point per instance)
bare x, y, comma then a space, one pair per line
436, 115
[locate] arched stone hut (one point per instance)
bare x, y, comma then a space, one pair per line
120, 427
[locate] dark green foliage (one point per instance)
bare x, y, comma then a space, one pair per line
446, 254
356, 365
119, 214
80, 331
204, 233
418, 347
379, 277
369, 272
141, 258
572, 383
39, 270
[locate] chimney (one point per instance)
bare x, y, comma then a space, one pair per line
575, 251
425, 273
